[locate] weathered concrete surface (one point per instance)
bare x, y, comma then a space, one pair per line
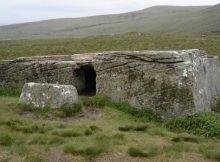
171, 83
43, 69
48, 95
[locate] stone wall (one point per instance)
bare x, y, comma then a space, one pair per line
171, 83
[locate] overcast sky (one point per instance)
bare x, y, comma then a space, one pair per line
16, 11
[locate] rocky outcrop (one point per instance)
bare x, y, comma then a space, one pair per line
48, 95
171, 83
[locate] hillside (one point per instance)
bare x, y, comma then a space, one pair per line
12, 49
168, 19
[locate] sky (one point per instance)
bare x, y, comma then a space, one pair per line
18, 11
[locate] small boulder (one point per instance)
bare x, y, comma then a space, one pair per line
48, 95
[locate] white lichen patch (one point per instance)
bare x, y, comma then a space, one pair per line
201, 91
56, 86
185, 73
67, 92
31, 84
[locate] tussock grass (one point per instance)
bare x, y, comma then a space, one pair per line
33, 159
65, 111
73, 110
91, 151
45, 140
67, 133
139, 128
92, 130
11, 92
146, 151
211, 151
31, 128
175, 149
6, 139
185, 138
95, 101
158, 131
205, 124
116, 139
137, 113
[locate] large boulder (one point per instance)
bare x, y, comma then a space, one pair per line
170, 83
48, 95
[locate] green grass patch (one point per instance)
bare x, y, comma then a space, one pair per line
211, 151
31, 128
95, 101
158, 131
65, 111
146, 151
11, 49
10, 92
31, 108
33, 159
110, 140
184, 137
71, 110
135, 112
6, 139
92, 130
139, 128
83, 150
67, 133
176, 148
45, 140
205, 124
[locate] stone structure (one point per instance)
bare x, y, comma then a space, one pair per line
171, 83
48, 95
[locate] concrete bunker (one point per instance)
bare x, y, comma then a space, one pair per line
86, 75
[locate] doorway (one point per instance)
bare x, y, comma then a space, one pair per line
86, 77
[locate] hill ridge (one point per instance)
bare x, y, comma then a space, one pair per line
164, 18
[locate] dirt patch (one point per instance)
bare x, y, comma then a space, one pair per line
91, 112
57, 156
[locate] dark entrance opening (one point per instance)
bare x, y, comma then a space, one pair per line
86, 78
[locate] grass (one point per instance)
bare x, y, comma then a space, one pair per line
83, 139
206, 124
140, 128
138, 113
45, 140
67, 133
130, 41
95, 101
33, 159
146, 151
211, 151
65, 111
72, 110
6, 139
90, 151
186, 138
10, 92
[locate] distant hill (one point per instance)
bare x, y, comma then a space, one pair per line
167, 19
